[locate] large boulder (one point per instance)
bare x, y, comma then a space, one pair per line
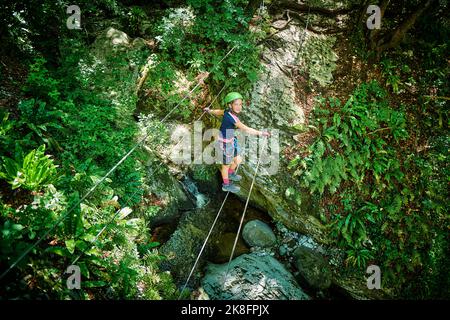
251, 277
258, 234
168, 191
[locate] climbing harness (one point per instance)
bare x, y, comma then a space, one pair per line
215, 221
173, 147
120, 210
217, 217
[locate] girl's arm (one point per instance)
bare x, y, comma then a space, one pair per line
249, 130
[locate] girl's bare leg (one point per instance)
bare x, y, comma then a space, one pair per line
224, 172
236, 161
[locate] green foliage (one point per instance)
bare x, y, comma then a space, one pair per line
358, 256
353, 143
195, 39
40, 121
89, 135
320, 58
73, 225
40, 83
218, 23
150, 212
391, 74
134, 20
157, 285
31, 172
203, 173
7, 141
5, 125
111, 265
65, 108
35, 219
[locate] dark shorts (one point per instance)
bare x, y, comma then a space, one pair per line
229, 150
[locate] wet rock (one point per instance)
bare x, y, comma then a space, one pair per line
252, 277
276, 104
185, 243
258, 234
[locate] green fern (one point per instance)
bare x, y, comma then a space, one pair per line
73, 224
32, 173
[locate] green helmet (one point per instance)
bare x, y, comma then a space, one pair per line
231, 97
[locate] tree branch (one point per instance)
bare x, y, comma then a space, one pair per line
278, 29
313, 29
292, 5
393, 39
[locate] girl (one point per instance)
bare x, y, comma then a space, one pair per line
228, 141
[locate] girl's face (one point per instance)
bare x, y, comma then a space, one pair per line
236, 106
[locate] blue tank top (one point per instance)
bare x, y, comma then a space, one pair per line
228, 125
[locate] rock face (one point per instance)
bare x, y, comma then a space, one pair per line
276, 104
258, 234
252, 277
170, 193
185, 243
313, 268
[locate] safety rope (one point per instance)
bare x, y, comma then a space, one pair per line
173, 147
205, 242
245, 210
25, 253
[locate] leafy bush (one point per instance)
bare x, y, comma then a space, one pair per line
391, 74
32, 172
43, 122
7, 141
385, 203
320, 58
40, 83
135, 18
194, 39
351, 144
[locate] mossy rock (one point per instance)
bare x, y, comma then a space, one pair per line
313, 268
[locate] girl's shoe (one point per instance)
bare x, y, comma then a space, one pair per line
230, 188
234, 177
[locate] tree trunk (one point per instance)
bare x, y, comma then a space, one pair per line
393, 39
362, 15
373, 34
